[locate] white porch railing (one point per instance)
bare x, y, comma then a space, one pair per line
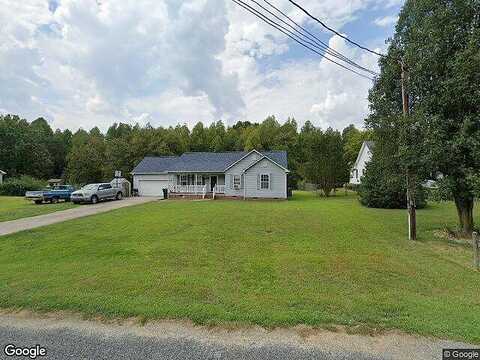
187, 189
220, 189
195, 189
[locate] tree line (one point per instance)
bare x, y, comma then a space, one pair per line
321, 157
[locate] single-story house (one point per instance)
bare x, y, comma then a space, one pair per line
2, 173
363, 158
236, 174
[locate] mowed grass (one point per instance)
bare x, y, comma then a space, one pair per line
14, 207
309, 260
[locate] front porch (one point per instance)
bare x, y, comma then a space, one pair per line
194, 185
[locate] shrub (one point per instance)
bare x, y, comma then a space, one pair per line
383, 187
19, 186
352, 187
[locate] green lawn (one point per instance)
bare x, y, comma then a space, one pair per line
13, 207
310, 260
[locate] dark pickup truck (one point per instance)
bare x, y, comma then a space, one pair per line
53, 195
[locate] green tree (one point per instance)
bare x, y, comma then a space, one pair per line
382, 185
14, 145
353, 139
268, 133
438, 41
325, 165
198, 138
85, 162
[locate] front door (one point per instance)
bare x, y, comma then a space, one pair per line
213, 182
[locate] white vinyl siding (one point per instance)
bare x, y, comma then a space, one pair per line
238, 169
277, 181
359, 168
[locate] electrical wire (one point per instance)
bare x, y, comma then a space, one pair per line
294, 37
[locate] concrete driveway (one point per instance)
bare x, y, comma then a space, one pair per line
10, 227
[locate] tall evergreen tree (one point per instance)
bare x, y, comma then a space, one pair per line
438, 41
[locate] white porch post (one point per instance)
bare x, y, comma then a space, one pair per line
244, 174
195, 184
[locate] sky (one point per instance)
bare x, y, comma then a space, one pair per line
86, 63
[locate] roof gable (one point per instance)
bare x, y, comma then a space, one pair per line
370, 145
264, 157
242, 158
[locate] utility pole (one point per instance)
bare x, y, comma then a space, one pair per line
411, 207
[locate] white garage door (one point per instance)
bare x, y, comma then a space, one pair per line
152, 187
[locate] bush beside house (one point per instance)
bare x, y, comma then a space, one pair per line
18, 186
382, 187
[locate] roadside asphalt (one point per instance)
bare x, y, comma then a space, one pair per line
64, 337
67, 344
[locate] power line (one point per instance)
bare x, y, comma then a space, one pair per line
314, 38
335, 31
317, 42
293, 36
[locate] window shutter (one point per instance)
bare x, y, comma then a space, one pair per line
241, 181
258, 181
231, 181
270, 182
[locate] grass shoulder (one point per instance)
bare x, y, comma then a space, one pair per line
14, 207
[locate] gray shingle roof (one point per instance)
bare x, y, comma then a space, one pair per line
158, 164
201, 162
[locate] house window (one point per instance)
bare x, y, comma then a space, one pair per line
236, 182
264, 181
183, 180
200, 180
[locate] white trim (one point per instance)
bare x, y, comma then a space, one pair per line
266, 157
195, 172
149, 173
239, 182
3, 172
364, 145
236, 162
268, 183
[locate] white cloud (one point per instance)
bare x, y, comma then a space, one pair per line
86, 63
314, 90
386, 21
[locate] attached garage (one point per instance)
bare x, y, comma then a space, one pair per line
151, 176
150, 185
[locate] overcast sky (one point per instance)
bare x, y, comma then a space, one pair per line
85, 63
